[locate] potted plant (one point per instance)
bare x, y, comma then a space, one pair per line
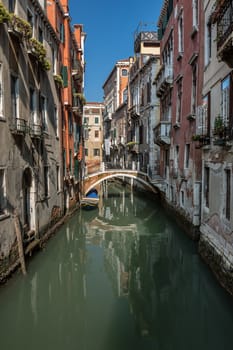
20, 26
4, 14
81, 97
58, 79
38, 49
219, 126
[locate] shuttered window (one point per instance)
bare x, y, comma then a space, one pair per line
64, 74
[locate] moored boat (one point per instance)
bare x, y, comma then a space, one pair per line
91, 200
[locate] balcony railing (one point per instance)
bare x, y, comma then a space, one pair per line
162, 133
164, 79
35, 130
134, 111
18, 126
223, 15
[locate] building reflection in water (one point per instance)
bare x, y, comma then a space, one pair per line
125, 262
153, 265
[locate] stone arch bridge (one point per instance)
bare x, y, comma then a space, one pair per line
91, 180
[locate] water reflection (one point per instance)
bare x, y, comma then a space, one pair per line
119, 277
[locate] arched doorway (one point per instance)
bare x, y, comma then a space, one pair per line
26, 186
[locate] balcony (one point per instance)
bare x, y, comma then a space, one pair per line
18, 126
164, 79
222, 132
35, 130
77, 106
133, 146
223, 17
134, 111
162, 133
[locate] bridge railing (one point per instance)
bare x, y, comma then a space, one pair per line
129, 165
118, 165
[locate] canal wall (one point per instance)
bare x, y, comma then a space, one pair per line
218, 255
10, 261
215, 251
181, 218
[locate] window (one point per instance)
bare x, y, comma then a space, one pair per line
179, 100
2, 192
1, 91
70, 121
176, 160
125, 95
56, 121
86, 134
148, 92
64, 74
96, 134
194, 89
206, 186
11, 5
187, 155
182, 198
40, 35
225, 99
86, 152
96, 120
206, 115
15, 96
30, 18
58, 178
71, 163
124, 72
64, 162
180, 34
195, 13
43, 113
54, 60
208, 42
32, 102
62, 33
46, 181
228, 193
86, 120
96, 152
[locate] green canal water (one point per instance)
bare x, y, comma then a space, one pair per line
120, 277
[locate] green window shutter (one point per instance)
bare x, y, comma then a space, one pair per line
64, 74
170, 7
160, 35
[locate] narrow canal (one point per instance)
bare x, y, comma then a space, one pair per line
120, 277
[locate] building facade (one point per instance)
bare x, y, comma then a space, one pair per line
93, 135
143, 104
36, 108
114, 119
179, 87
70, 70
216, 125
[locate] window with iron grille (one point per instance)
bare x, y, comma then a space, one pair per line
15, 96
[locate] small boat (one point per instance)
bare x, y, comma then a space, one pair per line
91, 200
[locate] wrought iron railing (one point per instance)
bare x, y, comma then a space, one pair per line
19, 126
162, 133
224, 30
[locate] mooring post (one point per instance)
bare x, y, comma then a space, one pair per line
20, 243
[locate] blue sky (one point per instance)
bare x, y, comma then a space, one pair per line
110, 29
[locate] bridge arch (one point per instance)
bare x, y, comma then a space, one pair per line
105, 176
